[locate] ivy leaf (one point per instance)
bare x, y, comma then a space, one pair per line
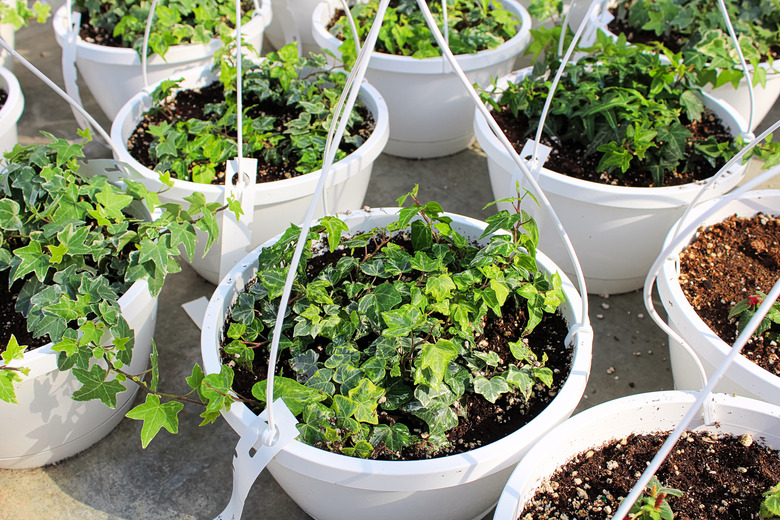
7, 380
675, 136
491, 388
440, 287
692, 104
215, 388
155, 416
9, 215
366, 395
333, 229
402, 321
433, 362
522, 379
387, 296
296, 396
113, 202
33, 259
95, 386
396, 437
13, 350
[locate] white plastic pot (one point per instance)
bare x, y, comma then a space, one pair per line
743, 377
114, 75
11, 110
640, 414
763, 97
292, 22
278, 203
329, 486
46, 425
431, 113
617, 231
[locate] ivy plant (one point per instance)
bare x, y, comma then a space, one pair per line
288, 108
378, 350
176, 21
770, 506
19, 14
473, 26
70, 246
629, 103
697, 29
744, 310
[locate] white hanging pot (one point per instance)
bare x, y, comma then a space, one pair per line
330, 486
431, 112
640, 414
292, 22
11, 110
617, 231
743, 377
764, 97
46, 425
278, 203
114, 75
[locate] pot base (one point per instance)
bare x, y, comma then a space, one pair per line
427, 150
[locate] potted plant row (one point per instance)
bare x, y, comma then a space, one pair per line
407, 328
698, 30
82, 264
431, 113
287, 104
107, 44
632, 138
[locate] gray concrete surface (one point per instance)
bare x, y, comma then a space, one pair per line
188, 476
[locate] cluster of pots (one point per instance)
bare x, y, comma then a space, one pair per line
617, 233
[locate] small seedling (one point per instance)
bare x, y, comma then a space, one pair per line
653, 505
745, 309
770, 507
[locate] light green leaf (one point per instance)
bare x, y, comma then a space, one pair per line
95, 386
155, 416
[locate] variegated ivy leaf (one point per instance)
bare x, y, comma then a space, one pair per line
396, 437
155, 416
491, 388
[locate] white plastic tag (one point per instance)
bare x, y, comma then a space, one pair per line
535, 163
196, 310
255, 449
236, 235
69, 73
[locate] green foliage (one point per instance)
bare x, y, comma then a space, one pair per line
770, 506
388, 328
699, 28
629, 103
71, 245
744, 311
20, 14
473, 25
176, 21
652, 505
305, 95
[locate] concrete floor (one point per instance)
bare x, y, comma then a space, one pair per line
188, 476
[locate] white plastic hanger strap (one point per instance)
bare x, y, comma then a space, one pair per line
255, 449
236, 235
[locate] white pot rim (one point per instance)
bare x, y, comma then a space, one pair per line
618, 196
266, 190
407, 64
404, 475
43, 359
669, 278
175, 54
14, 104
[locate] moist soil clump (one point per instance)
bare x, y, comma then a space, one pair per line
191, 104
726, 263
571, 158
485, 422
721, 477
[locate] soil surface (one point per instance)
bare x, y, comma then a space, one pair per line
190, 104
726, 263
11, 322
3, 97
486, 422
722, 478
569, 158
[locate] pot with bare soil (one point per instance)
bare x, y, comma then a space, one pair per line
631, 143
410, 363
713, 277
191, 133
588, 464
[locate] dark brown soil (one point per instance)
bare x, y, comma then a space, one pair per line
190, 104
726, 263
722, 478
570, 159
11, 322
3, 97
486, 422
